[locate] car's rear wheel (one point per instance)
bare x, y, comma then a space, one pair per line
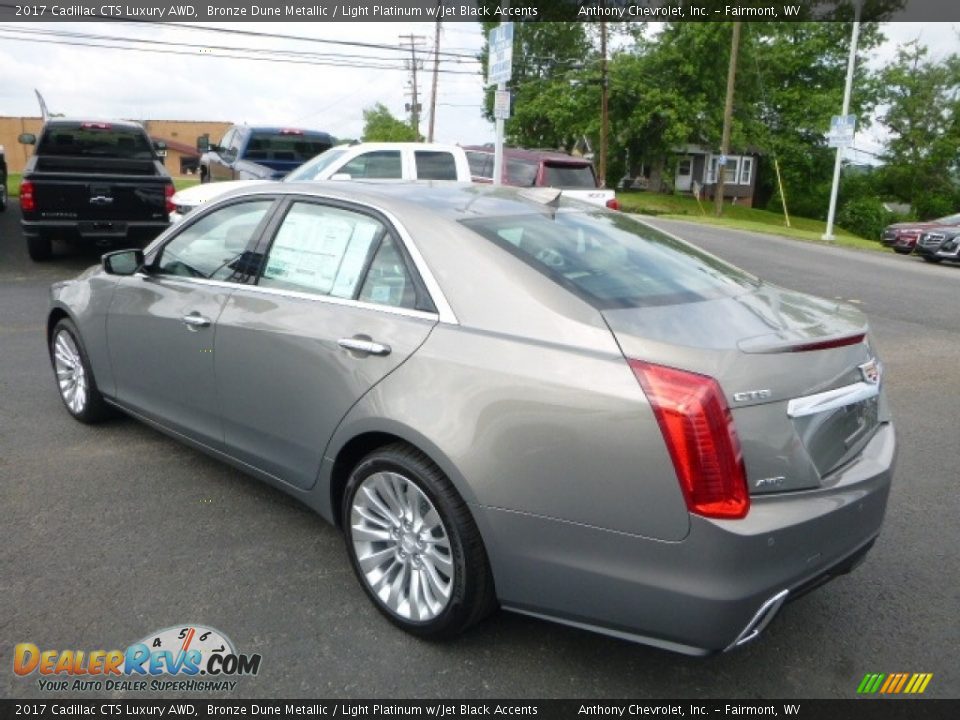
39, 247
3, 194
75, 381
414, 545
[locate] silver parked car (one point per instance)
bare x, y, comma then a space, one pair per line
503, 398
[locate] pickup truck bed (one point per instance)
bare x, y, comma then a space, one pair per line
93, 182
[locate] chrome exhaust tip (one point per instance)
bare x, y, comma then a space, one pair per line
760, 620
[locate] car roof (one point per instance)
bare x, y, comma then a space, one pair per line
399, 146
525, 154
76, 122
450, 200
271, 129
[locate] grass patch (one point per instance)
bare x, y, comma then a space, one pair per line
13, 183
737, 217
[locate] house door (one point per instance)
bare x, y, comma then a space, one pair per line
684, 173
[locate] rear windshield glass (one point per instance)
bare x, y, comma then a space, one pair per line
108, 142
522, 173
435, 165
563, 175
285, 146
611, 260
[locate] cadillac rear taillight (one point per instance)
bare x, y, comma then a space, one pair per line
700, 435
613, 204
28, 203
168, 191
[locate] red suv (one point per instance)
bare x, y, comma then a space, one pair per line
542, 168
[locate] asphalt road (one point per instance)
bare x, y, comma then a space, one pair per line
110, 533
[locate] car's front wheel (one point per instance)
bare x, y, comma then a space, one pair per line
932, 259
78, 389
414, 545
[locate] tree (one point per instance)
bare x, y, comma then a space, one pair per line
380, 126
555, 91
923, 115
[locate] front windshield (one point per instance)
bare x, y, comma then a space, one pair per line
312, 169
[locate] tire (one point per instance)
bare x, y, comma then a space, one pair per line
434, 583
75, 381
39, 247
933, 260
3, 194
204, 175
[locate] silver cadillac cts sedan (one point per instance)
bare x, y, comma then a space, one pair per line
502, 398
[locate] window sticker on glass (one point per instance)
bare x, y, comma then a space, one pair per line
321, 250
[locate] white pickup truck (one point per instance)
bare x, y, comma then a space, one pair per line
363, 161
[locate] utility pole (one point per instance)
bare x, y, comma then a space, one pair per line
436, 74
604, 114
727, 118
414, 105
847, 91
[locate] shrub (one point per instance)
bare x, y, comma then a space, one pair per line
864, 216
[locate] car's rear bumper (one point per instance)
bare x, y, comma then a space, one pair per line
95, 231
702, 594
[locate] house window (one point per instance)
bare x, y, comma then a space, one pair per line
711, 177
684, 167
746, 171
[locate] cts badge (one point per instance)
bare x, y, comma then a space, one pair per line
749, 395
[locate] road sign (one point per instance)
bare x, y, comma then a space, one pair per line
842, 129
501, 104
722, 161
500, 63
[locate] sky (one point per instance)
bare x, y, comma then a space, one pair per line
197, 83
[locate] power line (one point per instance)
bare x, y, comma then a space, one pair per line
15, 37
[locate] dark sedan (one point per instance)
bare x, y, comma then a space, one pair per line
932, 240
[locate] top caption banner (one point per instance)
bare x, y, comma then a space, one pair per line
484, 10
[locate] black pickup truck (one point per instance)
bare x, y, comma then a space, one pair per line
259, 153
93, 182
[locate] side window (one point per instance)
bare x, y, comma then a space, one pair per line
388, 282
215, 247
227, 139
481, 164
434, 165
321, 250
378, 164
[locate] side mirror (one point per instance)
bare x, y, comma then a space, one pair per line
341, 176
27, 139
122, 262
203, 144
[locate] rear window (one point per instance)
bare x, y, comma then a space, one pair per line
312, 169
285, 146
481, 164
435, 165
522, 173
611, 260
103, 141
568, 175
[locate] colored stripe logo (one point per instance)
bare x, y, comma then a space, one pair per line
894, 683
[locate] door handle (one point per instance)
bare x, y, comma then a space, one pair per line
196, 321
368, 347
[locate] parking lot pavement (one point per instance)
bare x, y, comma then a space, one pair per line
110, 533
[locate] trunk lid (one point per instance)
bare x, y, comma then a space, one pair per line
781, 359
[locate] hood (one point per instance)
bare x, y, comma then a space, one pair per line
199, 194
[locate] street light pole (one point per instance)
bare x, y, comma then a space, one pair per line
847, 90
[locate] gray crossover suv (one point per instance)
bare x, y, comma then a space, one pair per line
502, 397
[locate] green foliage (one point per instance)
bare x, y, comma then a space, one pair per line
380, 126
923, 115
556, 96
864, 216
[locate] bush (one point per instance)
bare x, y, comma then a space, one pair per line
864, 216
